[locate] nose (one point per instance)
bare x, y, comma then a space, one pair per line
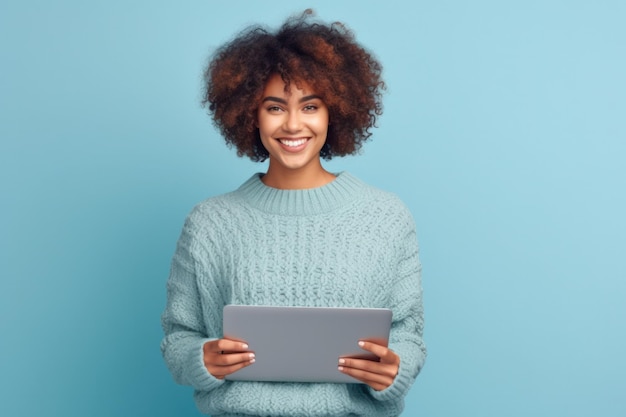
293, 123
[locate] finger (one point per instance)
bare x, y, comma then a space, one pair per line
376, 381
217, 346
219, 364
221, 371
384, 353
377, 386
228, 359
362, 375
389, 370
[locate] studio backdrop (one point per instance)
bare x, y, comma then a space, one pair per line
503, 131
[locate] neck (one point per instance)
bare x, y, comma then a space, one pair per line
283, 178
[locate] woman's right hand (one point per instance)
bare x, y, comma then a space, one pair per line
224, 356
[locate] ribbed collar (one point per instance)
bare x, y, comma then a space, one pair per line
341, 191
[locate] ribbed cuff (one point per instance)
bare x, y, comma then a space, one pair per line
398, 389
199, 378
407, 373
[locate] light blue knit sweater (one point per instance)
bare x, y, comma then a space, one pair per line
345, 244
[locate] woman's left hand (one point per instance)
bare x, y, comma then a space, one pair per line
378, 375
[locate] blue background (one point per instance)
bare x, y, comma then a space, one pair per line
504, 132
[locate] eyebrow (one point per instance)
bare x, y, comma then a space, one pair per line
283, 101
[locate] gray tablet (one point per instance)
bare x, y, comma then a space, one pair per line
303, 344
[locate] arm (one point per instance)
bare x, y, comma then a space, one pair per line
183, 319
406, 338
403, 359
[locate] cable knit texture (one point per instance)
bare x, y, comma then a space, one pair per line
345, 244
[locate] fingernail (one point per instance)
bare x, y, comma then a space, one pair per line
361, 343
251, 355
243, 345
340, 368
342, 361
252, 360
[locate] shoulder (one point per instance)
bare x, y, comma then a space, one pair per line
218, 211
382, 205
381, 198
214, 206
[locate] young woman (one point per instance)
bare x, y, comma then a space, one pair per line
296, 235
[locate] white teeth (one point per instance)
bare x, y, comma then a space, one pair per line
292, 143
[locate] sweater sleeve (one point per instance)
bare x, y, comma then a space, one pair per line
406, 336
182, 320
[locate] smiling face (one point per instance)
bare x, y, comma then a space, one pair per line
293, 126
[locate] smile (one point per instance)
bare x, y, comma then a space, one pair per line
292, 143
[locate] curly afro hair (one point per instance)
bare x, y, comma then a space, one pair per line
326, 57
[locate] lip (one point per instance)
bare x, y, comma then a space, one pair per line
293, 149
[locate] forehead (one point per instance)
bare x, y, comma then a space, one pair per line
275, 86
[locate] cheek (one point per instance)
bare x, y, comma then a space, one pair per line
323, 121
266, 130
322, 126
262, 126
267, 125
264, 137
